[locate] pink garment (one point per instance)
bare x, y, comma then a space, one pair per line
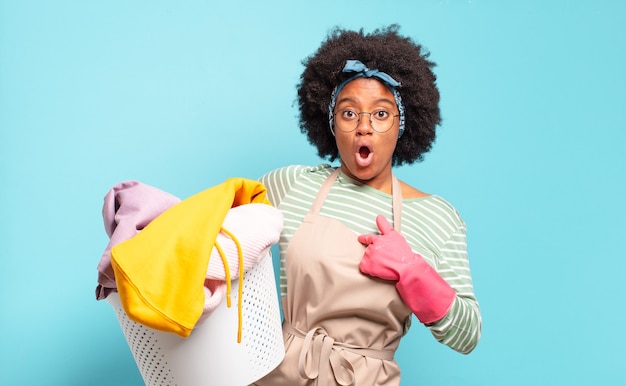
128, 207
256, 227
131, 205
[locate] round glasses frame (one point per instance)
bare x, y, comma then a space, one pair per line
347, 120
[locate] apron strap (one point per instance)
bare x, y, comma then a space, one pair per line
323, 192
396, 200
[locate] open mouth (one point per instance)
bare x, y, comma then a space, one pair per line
364, 156
364, 151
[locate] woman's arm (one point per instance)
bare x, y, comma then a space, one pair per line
460, 328
279, 181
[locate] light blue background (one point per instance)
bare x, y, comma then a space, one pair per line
182, 95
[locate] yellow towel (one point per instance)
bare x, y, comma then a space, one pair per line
160, 272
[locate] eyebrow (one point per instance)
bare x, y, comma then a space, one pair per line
379, 100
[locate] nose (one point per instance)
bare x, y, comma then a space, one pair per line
364, 125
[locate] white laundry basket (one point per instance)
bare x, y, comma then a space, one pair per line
211, 354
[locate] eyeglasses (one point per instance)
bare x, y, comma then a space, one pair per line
348, 120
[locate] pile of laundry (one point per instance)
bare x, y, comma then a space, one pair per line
172, 261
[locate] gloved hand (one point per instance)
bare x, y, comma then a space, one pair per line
389, 256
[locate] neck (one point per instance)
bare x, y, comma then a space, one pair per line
382, 181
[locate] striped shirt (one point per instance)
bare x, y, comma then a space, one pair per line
431, 226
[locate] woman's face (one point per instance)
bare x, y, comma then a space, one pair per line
366, 154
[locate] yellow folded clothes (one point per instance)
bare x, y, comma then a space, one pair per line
160, 272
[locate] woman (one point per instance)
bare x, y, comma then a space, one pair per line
361, 251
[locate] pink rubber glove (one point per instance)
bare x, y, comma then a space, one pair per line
389, 256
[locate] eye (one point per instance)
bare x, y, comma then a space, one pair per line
380, 115
348, 115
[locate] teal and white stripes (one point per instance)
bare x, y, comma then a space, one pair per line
430, 225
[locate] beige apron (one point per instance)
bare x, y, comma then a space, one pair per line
341, 327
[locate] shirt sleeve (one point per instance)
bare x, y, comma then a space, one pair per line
278, 182
461, 328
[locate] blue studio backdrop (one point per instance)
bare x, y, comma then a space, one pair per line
182, 95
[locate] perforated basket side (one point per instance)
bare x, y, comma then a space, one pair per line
150, 356
262, 331
211, 354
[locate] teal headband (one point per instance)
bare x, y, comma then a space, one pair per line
363, 72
